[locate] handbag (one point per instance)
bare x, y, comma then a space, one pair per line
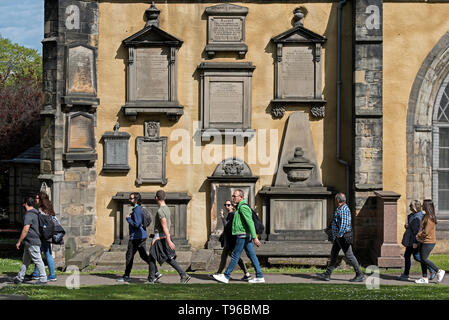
348, 237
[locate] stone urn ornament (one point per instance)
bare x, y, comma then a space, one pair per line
298, 168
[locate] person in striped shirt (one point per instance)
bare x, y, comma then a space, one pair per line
342, 240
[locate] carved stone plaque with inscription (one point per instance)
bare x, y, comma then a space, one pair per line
152, 71
80, 132
298, 77
297, 72
80, 71
151, 160
116, 149
226, 29
152, 81
226, 103
226, 96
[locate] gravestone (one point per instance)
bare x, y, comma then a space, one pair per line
152, 72
226, 29
229, 175
151, 156
226, 98
298, 69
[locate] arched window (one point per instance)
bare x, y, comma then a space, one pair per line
440, 163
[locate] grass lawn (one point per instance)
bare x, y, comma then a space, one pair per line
232, 292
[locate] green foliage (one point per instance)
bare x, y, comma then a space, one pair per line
17, 60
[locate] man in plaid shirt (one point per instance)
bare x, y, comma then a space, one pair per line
342, 239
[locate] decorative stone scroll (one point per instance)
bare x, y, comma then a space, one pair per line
151, 155
80, 75
226, 98
226, 29
298, 69
80, 137
152, 86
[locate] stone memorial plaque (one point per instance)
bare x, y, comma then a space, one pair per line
116, 149
151, 159
81, 71
81, 132
115, 152
226, 98
152, 66
226, 102
226, 29
298, 214
297, 72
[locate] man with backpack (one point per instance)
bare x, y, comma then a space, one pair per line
31, 238
137, 235
243, 227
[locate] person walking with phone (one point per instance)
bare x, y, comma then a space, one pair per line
243, 228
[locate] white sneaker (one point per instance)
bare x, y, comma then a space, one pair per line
422, 280
440, 275
257, 280
221, 278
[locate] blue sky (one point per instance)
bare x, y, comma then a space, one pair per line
22, 22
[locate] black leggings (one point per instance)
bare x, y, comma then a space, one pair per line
425, 249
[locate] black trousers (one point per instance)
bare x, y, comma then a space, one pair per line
133, 247
341, 244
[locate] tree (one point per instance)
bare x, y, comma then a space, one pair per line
20, 98
18, 60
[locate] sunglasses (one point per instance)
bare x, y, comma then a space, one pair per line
228, 205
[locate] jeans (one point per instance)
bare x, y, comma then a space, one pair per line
340, 243
46, 249
32, 254
409, 251
243, 242
425, 249
224, 256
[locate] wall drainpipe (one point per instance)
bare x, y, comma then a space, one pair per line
339, 83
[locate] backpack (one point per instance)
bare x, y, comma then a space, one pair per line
146, 218
58, 234
257, 223
46, 227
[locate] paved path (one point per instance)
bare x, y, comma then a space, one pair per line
108, 279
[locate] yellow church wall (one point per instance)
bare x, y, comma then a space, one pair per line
410, 31
119, 20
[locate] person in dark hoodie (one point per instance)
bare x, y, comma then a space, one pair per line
30, 237
410, 242
137, 237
